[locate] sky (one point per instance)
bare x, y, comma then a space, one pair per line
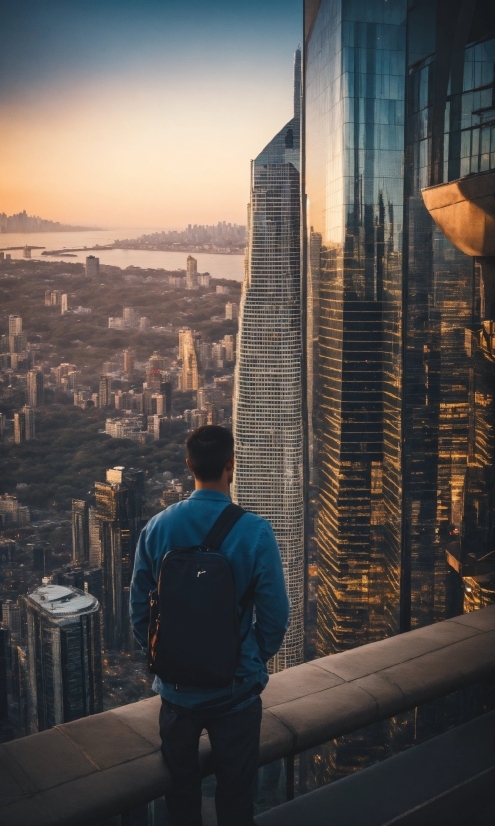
140, 114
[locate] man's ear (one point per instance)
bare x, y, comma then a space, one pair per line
188, 463
230, 464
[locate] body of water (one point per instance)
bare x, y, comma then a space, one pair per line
219, 266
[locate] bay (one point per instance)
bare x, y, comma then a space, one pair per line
219, 266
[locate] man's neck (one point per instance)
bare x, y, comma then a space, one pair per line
219, 485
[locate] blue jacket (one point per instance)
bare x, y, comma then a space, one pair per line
252, 550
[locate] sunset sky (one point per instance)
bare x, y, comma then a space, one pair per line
140, 114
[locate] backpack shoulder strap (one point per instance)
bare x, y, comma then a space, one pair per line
223, 525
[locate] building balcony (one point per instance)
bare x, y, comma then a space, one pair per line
109, 765
464, 210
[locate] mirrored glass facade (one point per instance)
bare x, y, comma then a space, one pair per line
355, 64
267, 428
449, 375
398, 96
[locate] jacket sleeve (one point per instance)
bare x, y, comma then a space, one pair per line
143, 581
270, 595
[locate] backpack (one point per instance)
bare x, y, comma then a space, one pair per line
194, 632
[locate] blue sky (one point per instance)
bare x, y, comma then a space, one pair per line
162, 91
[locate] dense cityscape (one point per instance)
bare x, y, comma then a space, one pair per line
355, 366
137, 401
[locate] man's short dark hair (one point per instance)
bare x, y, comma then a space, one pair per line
209, 448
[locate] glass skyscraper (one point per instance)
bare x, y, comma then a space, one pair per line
398, 96
64, 656
355, 64
268, 477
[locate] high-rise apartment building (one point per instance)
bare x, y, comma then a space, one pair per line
119, 503
105, 391
34, 380
395, 97
231, 311
129, 360
268, 476
80, 531
64, 656
190, 378
191, 273
24, 429
92, 267
15, 325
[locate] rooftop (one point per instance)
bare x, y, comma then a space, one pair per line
62, 602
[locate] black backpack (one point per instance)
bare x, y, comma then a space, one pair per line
194, 637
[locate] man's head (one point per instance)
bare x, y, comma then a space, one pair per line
210, 453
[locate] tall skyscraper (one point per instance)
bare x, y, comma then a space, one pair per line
268, 476
15, 325
119, 503
190, 378
64, 656
35, 388
92, 267
449, 367
24, 429
104, 391
80, 531
191, 273
129, 360
391, 305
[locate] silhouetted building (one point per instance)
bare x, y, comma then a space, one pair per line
80, 531
64, 656
41, 558
92, 267
5, 673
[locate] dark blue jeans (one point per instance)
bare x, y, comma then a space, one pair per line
234, 740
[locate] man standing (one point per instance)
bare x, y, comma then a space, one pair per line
231, 715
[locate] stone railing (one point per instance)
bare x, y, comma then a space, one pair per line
84, 772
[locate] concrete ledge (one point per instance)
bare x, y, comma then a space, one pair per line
438, 782
81, 773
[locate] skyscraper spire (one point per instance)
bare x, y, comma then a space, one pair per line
297, 83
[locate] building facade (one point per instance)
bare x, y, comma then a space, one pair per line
92, 267
191, 273
34, 388
395, 95
80, 531
267, 422
190, 377
63, 655
24, 427
119, 503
